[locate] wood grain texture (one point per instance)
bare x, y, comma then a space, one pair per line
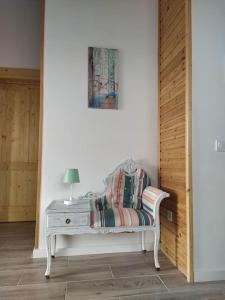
175, 130
188, 100
19, 116
19, 74
40, 128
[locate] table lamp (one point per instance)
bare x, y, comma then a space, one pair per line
71, 176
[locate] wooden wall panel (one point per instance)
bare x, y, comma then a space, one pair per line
173, 122
19, 117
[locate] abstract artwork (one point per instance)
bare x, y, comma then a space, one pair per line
103, 78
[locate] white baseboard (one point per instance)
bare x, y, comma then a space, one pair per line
209, 275
94, 249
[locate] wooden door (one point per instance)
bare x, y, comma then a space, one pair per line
19, 121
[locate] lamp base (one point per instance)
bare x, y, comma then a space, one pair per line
70, 201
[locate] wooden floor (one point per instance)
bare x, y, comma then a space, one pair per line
109, 276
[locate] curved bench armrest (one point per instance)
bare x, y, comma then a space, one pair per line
151, 200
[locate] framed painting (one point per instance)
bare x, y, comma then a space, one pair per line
103, 69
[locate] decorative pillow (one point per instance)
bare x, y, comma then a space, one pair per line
126, 190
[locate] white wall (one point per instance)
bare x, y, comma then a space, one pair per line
19, 33
96, 141
208, 21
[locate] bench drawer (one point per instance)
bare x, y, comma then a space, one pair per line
68, 219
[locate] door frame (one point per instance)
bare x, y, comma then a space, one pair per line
40, 134
19, 75
188, 129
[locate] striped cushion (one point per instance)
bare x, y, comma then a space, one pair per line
150, 197
124, 191
99, 203
116, 217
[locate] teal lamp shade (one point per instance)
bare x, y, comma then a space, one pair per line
71, 176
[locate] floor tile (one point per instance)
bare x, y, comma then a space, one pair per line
149, 256
146, 268
2, 241
17, 228
176, 282
184, 295
13, 253
66, 274
101, 289
111, 258
50, 291
19, 243
9, 277
18, 263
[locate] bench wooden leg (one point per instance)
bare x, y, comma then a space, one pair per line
53, 246
156, 249
143, 241
48, 244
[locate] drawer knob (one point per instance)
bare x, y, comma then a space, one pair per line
68, 221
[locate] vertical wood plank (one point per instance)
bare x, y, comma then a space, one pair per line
189, 205
40, 124
175, 130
